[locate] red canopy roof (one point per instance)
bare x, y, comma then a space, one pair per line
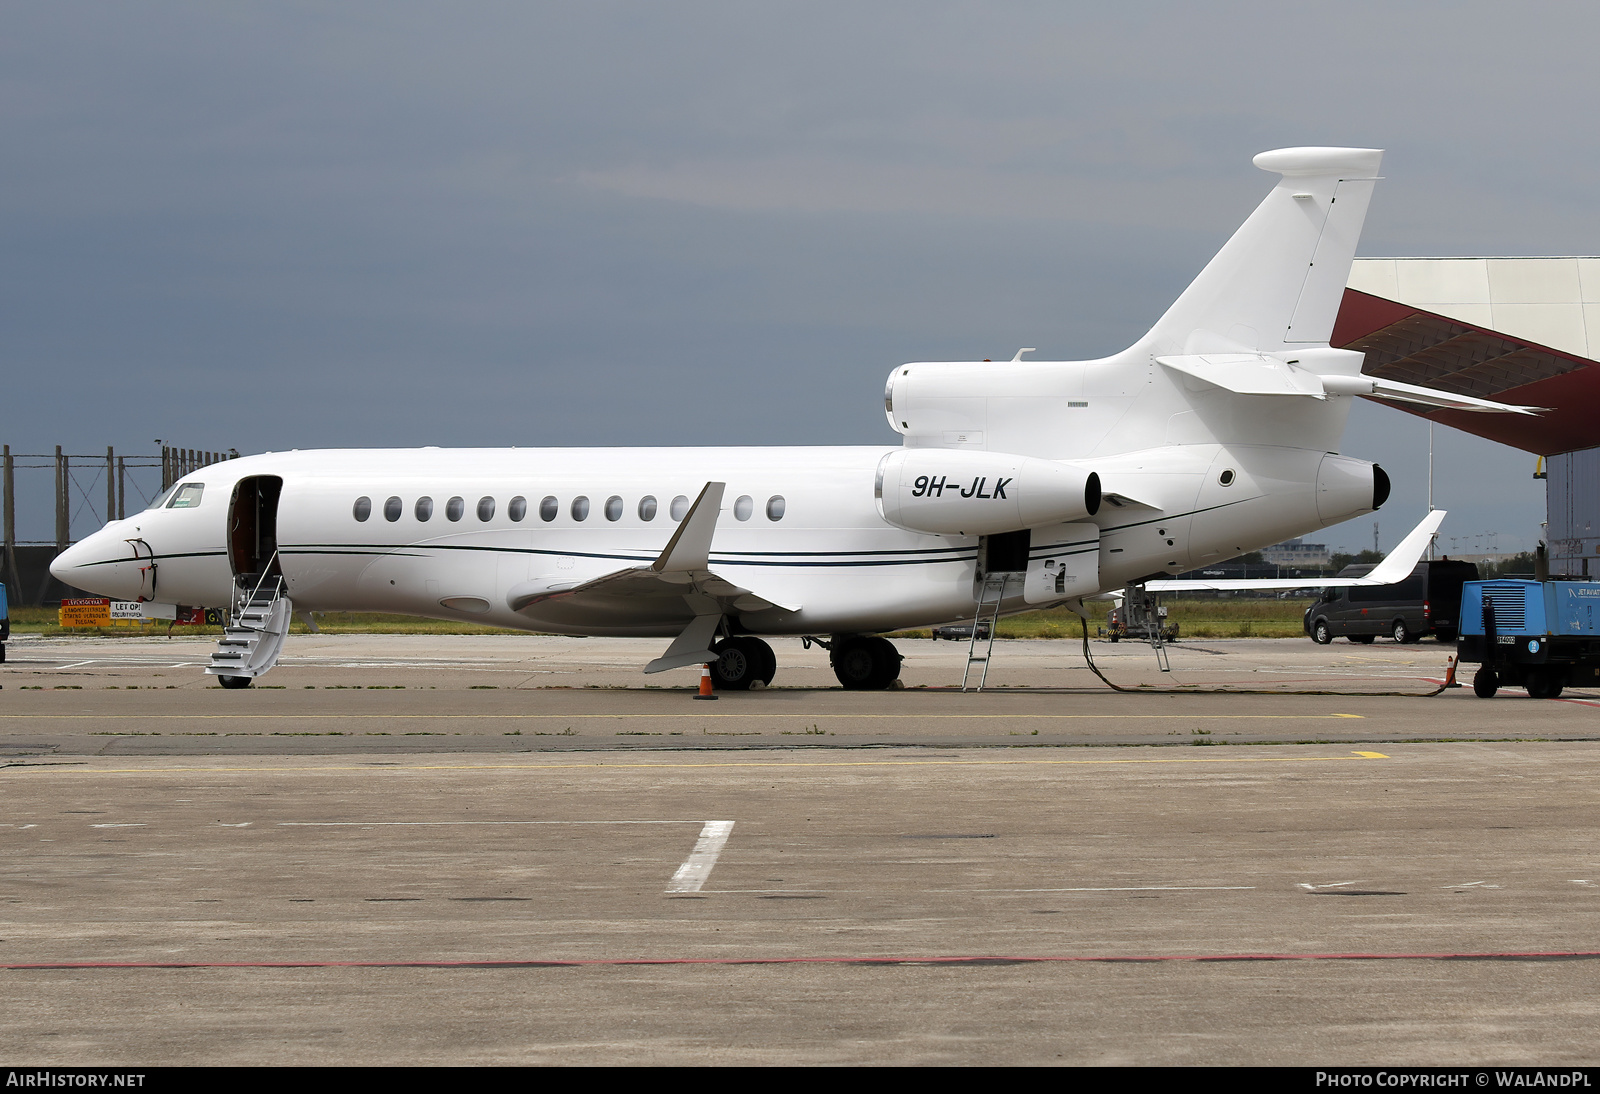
1414, 346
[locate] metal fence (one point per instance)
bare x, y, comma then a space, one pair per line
93, 485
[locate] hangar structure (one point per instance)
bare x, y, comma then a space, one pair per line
1517, 330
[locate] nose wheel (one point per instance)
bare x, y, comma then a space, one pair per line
235, 681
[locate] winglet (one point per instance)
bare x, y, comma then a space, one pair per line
690, 546
1404, 558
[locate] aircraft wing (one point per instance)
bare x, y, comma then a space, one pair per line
678, 588
1396, 567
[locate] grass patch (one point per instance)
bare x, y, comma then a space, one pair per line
1197, 617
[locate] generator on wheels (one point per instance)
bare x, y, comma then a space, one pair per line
1540, 635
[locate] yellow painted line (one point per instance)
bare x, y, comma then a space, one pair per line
396, 769
291, 715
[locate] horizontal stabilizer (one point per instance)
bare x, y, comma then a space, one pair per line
1411, 393
1245, 373
1262, 374
1396, 567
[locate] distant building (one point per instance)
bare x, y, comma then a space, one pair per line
1292, 552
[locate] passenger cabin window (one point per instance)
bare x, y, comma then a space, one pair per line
580, 508
486, 509
454, 508
516, 509
680, 506
362, 509
613, 508
548, 508
392, 509
424, 509
187, 496
744, 507
647, 507
775, 507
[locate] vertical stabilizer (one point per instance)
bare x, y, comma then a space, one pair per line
1277, 284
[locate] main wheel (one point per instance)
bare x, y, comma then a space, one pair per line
235, 681
1321, 633
741, 661
1401, 632
865, 664
1445, 636
1362, 639
1485, 682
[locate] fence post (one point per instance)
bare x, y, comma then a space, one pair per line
13, 579
63, 510
111, 485
122, 488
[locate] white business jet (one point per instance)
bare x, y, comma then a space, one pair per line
1018, 485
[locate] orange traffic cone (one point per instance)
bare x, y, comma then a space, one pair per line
705, 683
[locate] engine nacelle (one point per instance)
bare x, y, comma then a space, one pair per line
953, 492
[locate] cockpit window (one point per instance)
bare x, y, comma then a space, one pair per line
187, 496
163, 497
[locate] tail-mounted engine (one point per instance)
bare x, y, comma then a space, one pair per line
953, 492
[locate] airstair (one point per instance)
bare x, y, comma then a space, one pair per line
254, 636
990, 596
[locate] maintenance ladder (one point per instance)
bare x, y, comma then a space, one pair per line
990, 596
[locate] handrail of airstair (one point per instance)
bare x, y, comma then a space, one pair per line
265, 571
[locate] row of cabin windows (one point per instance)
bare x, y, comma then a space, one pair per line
550, 508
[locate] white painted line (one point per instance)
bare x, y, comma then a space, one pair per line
118, 826
697, 867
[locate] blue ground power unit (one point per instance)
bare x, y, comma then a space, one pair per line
1540, 635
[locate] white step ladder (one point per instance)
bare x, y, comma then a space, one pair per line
990, 596
254, 637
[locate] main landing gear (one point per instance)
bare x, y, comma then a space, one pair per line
741, 661
861, 662
864, 663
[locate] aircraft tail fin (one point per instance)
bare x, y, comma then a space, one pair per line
1277, 284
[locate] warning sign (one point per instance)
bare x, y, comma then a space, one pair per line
89, 611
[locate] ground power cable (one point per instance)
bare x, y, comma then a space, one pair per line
1449, 679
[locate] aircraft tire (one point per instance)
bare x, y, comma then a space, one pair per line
235, 681
1362, 639
741, 661
1485, 682
865, 664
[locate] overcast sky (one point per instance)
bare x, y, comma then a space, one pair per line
286, 225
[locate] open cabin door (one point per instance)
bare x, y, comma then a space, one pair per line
253, 526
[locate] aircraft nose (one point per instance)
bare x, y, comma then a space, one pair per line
94, 564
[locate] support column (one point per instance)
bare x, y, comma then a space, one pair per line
111, 485
122, 488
